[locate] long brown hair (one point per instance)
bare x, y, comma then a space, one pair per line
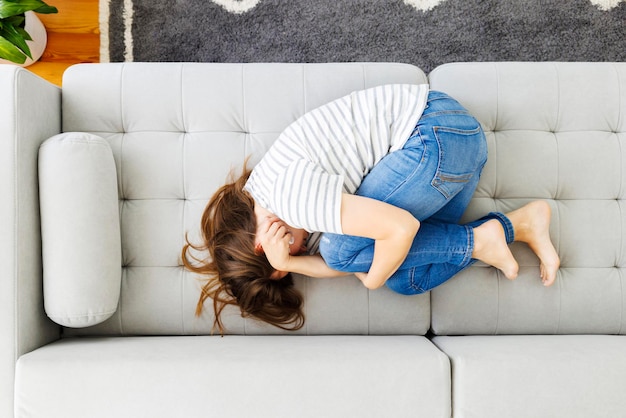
237, 274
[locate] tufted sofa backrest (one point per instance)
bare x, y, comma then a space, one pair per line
556, 131
176, 131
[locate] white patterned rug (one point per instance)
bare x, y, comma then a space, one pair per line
421, 32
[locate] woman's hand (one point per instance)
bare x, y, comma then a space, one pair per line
275, 239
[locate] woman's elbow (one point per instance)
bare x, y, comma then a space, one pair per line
408, 226
373, 284
415, 225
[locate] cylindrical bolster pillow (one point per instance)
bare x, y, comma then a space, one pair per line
80, 229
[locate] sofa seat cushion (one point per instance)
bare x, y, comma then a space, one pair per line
537, 376
235, 376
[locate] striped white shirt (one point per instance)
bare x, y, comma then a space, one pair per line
329, 150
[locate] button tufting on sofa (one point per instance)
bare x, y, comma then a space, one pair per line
479, 345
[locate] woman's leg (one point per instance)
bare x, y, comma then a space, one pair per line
491, 235
434, 177
439, 251
488, 241
437, 171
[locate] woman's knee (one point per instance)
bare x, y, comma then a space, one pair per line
404, 283
422, 279
341, 252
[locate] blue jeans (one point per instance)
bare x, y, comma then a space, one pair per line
434, 177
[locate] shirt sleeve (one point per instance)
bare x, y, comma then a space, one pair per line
305, 196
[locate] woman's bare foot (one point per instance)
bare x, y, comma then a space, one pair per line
490, 247
532, 226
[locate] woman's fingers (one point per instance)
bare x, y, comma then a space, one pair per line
277, 230
276, 245
267, 223
278, 236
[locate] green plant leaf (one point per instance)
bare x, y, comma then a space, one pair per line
46, 10
16, 37
10, 52
17, 21
24, 34
10, 8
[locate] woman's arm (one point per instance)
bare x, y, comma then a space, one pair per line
312, 265
392, 228
275, 244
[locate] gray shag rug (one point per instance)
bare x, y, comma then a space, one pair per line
425, 33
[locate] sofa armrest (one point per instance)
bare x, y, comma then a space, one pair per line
30, 112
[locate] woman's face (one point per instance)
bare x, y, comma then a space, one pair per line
297, 240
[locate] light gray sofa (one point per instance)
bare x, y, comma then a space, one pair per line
478, 346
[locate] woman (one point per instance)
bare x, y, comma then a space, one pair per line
374, 184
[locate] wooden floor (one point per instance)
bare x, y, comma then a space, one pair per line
73, 37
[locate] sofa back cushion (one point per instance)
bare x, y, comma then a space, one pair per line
176, 131
556, 131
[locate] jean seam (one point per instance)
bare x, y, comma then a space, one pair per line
415, 168
433, 182
444, 112
441, 177
469, 246
412, 282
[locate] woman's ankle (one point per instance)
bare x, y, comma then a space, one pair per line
491, 247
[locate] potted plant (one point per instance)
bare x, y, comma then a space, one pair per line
14, 15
